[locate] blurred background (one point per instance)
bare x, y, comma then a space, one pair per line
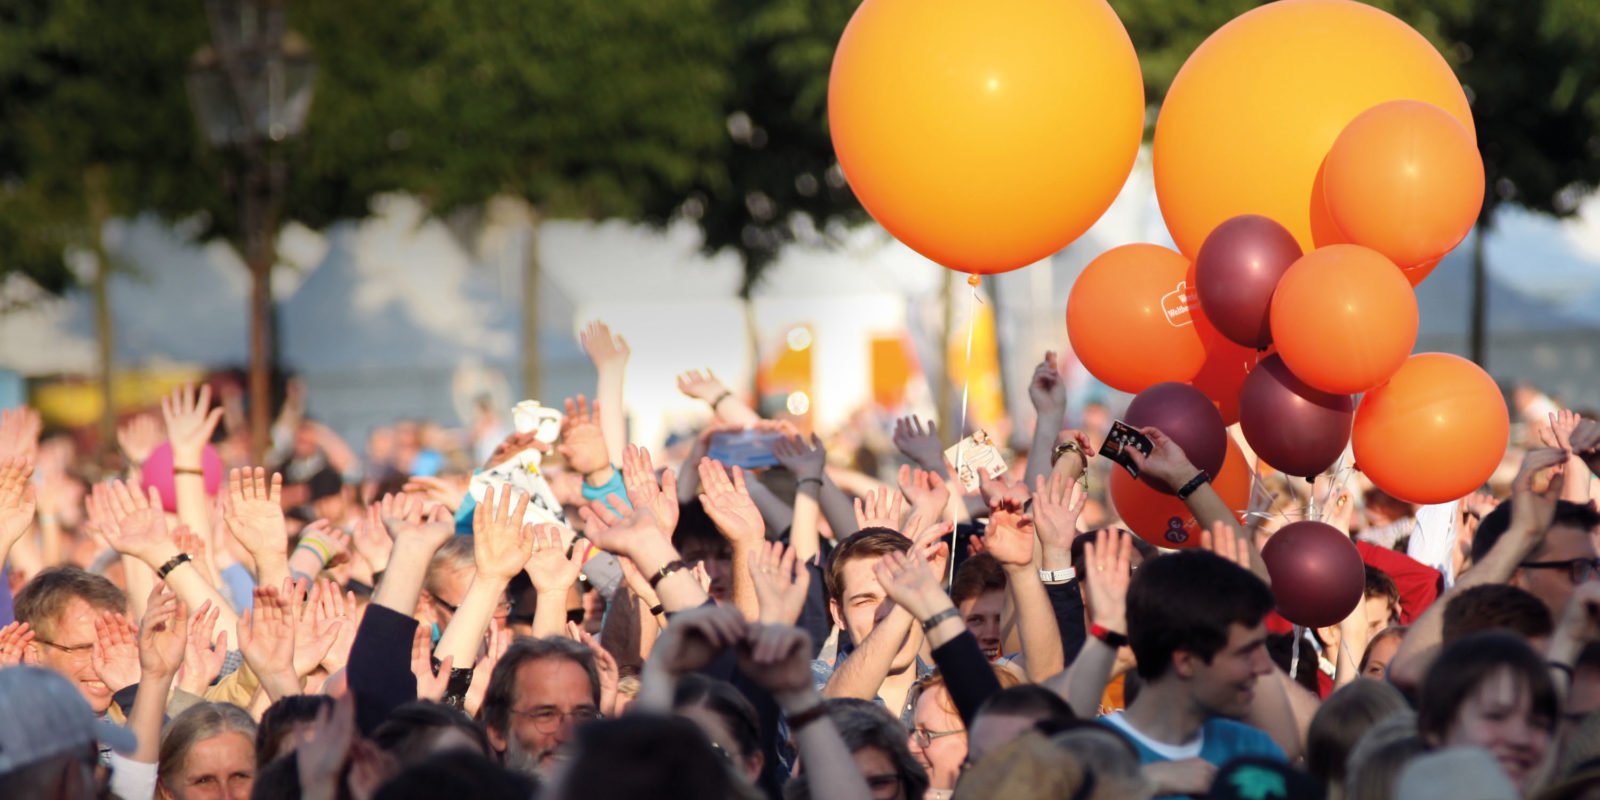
413, 205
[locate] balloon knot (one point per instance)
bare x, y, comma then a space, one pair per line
974, 280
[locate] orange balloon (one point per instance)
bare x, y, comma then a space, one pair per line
1406, 180
1162, 519
1419, 273
1131, 320
1251, 115
1344, 318
1227, 363
986, 136
1435, 432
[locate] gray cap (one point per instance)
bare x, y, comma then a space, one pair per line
1455, 773
45, 717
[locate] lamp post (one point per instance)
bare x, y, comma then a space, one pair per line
251, 92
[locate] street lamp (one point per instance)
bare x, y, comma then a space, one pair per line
251, 91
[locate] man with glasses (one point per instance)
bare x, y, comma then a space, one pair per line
540, 691
62, 604
1563, 559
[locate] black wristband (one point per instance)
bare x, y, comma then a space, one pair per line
726, 393
933, 622
1200, 479
806, 480
669, 568
657, 610
167, 568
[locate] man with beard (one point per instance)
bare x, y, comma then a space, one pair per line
540, 691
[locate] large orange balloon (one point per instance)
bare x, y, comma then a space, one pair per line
1435, 432
1251, 115
1130, 318
1162, 519
1344, 318
986, 136
1406, 180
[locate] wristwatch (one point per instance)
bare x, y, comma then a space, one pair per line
1065, 448
1058, 575
1200, 479
1110, 637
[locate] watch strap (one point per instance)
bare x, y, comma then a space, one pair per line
172, 564
1200, 479
933, 622
1110, 637
1058, 575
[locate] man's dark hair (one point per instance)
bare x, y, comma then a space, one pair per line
459, 774
41, 600
1379, 584
495, 712
865, 543
1495, 523
695, 525
1465, 665
727, 703
1030, 700
1187, 601
977, 576
646, 755
863, 724
278, 721
410, 730
1495, 606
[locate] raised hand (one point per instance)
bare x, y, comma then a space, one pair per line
582, 442
1107, 573
140, 528
1585, 439
371, 539
554, 567
313, 637
1220, 539
920, 444
604, 349
19, 433
501, 542
512, 445
342, 613
639, 479
496, 641
777, 657
409, 523
115, 657
139, 437
190, 423
1001, 488
923, 488
267, 635
806, 459
431, 683
202, 657
1085, 451
17, 501
1166, 461
1009, 537
14, 645
163, 633
446, 492
728, 504
911, 582
326, 539
781, 583
322, 750
254, 514
703, 386
605, 664
1533, 511
696, 637
1048, 393
881, 508
1559, 432
1057, 505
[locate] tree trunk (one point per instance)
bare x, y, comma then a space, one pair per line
531, 362
258, 201
1479, 323
94, 181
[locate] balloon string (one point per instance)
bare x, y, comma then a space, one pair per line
1294, 655
961, 429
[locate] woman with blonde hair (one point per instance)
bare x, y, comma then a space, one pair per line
208, 751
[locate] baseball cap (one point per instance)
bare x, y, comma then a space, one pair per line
42, 716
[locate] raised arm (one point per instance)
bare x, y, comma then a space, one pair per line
1168, 462
610, 356
1010, 539
415, 541
781, 582
1563, 424
140, 530
1049, 398
583, 443
502, 545
162, 637
1531, 515
807, 460
706, 387
190, 423
912, 583
643, 538
728, 503
254, 516
1107, 573
554, 568
17, 502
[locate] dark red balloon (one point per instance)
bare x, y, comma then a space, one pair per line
1317, 576
1236, 271
1292, 426
1186, 416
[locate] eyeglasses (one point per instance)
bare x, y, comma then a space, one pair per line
924, 737
550, 720
1581, 570
80, 651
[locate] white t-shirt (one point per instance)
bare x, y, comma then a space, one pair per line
1171, 752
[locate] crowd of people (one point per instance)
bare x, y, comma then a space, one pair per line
847, 624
